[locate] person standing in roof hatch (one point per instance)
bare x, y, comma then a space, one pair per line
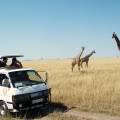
3, 63
15, 63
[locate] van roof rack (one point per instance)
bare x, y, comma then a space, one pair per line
10, 56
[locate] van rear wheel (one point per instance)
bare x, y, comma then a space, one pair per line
3, 109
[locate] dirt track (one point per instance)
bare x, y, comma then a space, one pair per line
87, 116
91, 116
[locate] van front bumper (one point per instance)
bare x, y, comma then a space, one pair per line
29, 108
32, 100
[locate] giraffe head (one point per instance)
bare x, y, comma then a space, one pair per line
113, 35
83, 48
93, 51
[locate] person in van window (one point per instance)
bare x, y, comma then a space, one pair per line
3, 63
16, 64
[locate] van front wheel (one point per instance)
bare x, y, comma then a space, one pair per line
3, 109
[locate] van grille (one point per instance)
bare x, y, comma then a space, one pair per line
31, 99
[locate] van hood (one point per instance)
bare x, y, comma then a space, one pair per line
31, 89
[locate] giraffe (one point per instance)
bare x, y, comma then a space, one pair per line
114, 35
76, 60
86, 58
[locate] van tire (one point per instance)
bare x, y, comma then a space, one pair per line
3, 109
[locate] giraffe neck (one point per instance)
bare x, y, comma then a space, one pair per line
117, 39
89, 55
81, 54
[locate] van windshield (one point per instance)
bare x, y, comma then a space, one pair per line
25, 78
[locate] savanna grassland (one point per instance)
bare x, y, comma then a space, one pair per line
96, 88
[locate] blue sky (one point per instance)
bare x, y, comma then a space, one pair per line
58, 28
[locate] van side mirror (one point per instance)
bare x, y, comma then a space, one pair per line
46, 77
5, 82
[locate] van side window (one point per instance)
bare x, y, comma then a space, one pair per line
2, 76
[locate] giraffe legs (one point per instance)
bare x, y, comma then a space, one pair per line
86, 63
79, 66
72, 68
79, 63
73, 65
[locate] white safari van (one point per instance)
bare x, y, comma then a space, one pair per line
22, 89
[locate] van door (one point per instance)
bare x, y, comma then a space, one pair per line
4, 89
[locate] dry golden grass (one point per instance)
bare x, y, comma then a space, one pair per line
94, 89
